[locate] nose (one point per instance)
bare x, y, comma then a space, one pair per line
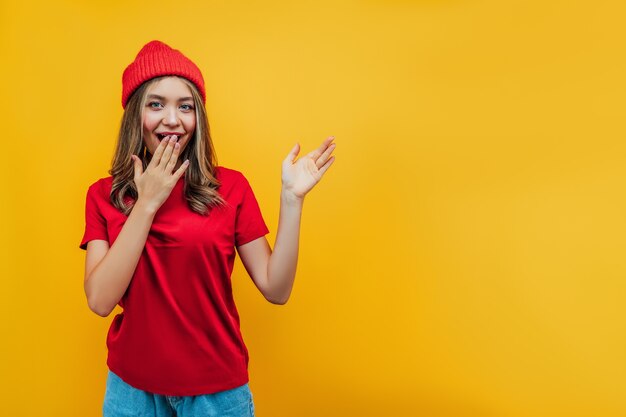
170, 118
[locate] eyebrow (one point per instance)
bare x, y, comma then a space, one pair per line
163, 98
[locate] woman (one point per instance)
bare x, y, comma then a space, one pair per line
161, 234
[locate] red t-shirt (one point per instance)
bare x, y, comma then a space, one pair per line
179, 330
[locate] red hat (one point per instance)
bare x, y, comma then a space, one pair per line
154, 60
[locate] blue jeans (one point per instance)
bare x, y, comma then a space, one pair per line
122, 400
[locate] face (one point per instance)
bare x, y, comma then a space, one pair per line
169, 109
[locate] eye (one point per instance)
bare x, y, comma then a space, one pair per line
154, 104
187, 107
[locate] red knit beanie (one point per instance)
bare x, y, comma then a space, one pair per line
154, 60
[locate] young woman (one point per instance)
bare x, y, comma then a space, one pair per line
161, 234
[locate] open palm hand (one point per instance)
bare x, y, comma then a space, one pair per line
299, 177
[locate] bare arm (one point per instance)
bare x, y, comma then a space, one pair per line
274, 272
108, 272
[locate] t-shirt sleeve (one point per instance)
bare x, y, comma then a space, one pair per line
95, 223
249, 224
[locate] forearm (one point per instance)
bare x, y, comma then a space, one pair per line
284, 258
109, 280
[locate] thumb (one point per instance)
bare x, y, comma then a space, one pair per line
293, 153
137, 166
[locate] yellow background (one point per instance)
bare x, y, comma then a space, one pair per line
464, 255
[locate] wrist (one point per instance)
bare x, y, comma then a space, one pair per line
146, 208
290, 198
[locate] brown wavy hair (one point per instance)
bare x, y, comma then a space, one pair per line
200, 182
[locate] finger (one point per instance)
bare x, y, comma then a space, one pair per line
174, 158
293, 153
181, 169
327, 165
137, 166
324, 157
317, 152
156, 158
167, 153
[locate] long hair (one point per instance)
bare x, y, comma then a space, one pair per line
200, 182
